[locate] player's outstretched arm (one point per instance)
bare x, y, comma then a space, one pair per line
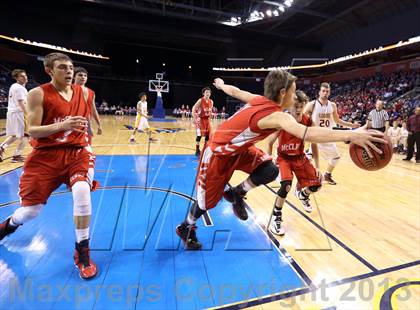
95, 116
194, 110
339, 121
36, 111
281, 120
271, 139
233, 91
309, 107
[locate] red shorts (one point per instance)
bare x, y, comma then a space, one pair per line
203, 127
300, 165
216, 171
46, 169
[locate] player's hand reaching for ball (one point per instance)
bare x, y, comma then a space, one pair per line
218, 83
76, 123
366, 140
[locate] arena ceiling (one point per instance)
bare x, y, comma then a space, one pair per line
199, 26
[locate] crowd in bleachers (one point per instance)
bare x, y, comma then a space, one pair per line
356, 98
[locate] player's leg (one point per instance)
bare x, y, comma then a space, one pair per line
284, 178
3, 146
309, 181
21, 135
136, 125
210, 184
207, 132
262, 171
197, 140
13, 131
81, 184
18, 218
330, 153
17, 156
144, 125
82, 210
36, 184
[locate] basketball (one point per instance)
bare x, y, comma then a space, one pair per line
361, 158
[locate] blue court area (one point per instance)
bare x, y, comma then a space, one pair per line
142, 262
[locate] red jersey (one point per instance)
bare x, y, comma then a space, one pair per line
291, 145
240, 131
57, 109
205, 108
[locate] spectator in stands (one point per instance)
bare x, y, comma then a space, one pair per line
413, 128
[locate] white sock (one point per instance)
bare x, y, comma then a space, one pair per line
191, 220
4, 145
247, 185
82, 234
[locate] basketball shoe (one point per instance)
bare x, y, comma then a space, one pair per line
328, 178
6, 228
236, 197
187, 234
18, 159
276, 224
304, 200
87, 268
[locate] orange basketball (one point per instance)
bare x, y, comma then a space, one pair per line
378, 161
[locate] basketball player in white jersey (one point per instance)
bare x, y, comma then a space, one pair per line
141, 118
394, 133
324, 114
16, 111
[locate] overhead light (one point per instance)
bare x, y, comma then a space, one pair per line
163, 64
137, 61
281, 8
268, 12
189, 67
288, 3
276, 13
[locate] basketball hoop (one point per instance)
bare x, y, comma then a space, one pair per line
159, 86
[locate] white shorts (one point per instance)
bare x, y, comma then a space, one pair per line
143, 124
15, 124
328, 151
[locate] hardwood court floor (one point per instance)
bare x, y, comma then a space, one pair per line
362, 238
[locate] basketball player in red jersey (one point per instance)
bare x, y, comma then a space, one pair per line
57, 121
291, 159
232, 147
201, 112
80, 78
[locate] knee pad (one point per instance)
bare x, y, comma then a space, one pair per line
314, 188
334, 161
81, 199
197, 139
265, 173
24, 214
284, 188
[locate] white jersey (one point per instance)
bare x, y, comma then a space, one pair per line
394, 132
404, 133
16, 92
142, 106
322, 115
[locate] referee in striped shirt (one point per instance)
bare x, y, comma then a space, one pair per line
378, 119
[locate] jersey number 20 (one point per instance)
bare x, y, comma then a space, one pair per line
324, 123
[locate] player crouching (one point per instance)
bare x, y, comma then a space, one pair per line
291, 158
